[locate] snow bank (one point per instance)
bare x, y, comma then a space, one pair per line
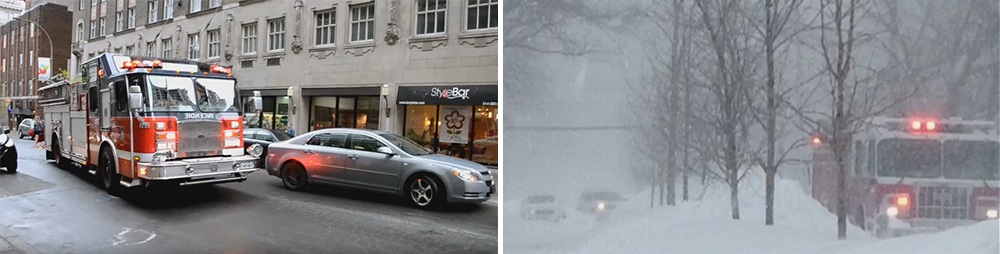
981, 238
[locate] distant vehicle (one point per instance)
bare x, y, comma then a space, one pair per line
378, 161
28, 128
542, 207
264, 138
8, 152
914, 175
599, 202
486, 150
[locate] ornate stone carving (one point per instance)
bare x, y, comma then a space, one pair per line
392, 30
229, 36
77, 50
296, 38
177, 43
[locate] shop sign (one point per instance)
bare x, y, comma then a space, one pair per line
448, 95
455, 127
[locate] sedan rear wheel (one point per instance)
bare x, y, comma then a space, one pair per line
424, 191
294, 176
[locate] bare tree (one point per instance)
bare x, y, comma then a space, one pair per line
731, 79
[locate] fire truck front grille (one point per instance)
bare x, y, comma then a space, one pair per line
942, 202
199, 138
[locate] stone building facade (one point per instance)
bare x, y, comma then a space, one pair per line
25, 40
321, 63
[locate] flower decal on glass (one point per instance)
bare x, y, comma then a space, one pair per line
455, 120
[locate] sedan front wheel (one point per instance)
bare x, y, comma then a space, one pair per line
424, 191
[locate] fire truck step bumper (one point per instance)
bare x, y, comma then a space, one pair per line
217, 180
199, 170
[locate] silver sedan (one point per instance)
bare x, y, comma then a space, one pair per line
378, 161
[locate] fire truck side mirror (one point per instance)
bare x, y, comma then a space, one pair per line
134, 98
258, 102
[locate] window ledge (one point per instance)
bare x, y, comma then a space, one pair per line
363, 44
428, 38
324, 48
280, 53
478, 34
203, 12
245, 57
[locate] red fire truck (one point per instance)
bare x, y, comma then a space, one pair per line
138, 121
913, 175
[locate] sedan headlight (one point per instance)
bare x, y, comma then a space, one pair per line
256, 150
465, 175
600, 206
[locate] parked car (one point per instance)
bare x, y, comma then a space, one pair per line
542, 207
378, 161
8, 152
486, 150
599, 202
264, 137
28, 128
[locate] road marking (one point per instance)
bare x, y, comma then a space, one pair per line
126, 230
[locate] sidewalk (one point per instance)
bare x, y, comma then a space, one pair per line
12, 244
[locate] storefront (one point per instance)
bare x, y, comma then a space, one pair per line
274, 114
459, 121
353, 107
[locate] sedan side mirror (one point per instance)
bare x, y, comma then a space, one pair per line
135, 98
386, 150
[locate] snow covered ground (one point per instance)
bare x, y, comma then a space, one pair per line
802, 225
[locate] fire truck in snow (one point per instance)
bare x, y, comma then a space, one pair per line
914, 175
140, 121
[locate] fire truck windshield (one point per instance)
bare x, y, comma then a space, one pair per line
186, 94
966, 159
954, 159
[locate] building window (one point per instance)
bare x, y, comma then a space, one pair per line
213, 43
152, 11
119, 22
168, 50
193, 46
326, 26
431, 16
483, 14
246, 64
31, 31
93, 29
103, 22
215, 3
168, 9
130, 50
250, 38
31, 57
151, 49
195, 6
93, 2
79, 32
82, 4
131, 17
363, 23
118, 50
273, 61
276, 34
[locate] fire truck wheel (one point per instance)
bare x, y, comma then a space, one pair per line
109, 174
57, 155
294, 176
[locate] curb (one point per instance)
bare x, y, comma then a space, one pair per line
16, 242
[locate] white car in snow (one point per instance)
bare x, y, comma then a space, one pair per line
542, 207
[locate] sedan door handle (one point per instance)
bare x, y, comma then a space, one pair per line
353, 156
308, 151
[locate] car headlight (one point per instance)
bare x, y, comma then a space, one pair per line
892, 211
992, 213
600, 206
255, 150
464, 174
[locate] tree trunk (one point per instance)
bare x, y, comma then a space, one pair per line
734, 195
770, 127
769, 196
652, 195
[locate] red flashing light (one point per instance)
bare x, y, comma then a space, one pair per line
136, 64
903, 200
220, 69
931, 125
100, 73
915, 125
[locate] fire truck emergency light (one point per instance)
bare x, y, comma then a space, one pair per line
134, 64
917, 125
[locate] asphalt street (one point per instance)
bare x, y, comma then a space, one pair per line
64, 211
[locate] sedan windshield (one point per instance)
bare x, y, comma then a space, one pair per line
407, 145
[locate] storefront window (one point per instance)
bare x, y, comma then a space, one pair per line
281, 114
324, 112
273, 115
360, 112
486, 143
368, 112
420, 123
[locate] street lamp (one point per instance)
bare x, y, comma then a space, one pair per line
51, 57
